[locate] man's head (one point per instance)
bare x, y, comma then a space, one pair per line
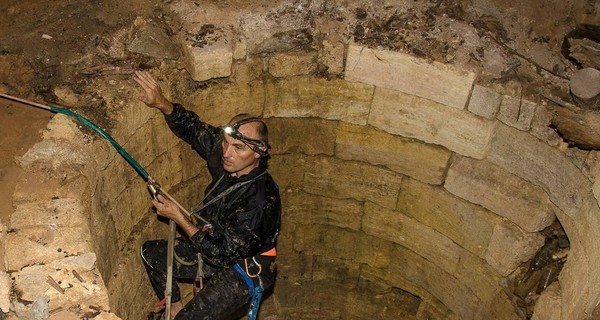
245, 142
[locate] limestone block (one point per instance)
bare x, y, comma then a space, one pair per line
414, 117
548, 305
5, 288
166, 169
288, 170
341, 272
591, 165
332, 56
396, 227
62, 127
322, 297
31, 283
28, 187
130, 206
38, 309
153, 41
160, 136
429, 310
218, 103
505, 194
240, 47
535, 161
394, 304
346, 179
55, 155
297, 266
129, 280
113, 180
484, 102
44, 244
142, 145
246, 71
467, 224
401, 72
302, 208
330, 241
191, 163
510, 246
429, 277
209, 60
307, 136
63, 212
516, 112
475, 273
423, 162
292, 64
577, 278
314, 97
500, 307
136, 115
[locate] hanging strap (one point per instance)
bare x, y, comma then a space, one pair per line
254, 291
229, 190
196, 211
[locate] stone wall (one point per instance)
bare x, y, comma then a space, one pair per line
409, 191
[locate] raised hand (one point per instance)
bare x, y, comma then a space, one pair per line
152, 96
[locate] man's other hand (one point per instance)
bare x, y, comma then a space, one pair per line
166, 208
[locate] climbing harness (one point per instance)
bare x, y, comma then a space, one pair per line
196, 213
254, 291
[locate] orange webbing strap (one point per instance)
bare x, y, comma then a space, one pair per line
270, 253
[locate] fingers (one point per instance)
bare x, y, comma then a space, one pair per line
152, 96
164, 206
145, 77
145, 80
152, 92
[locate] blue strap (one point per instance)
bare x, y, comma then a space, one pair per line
249, 281
255, 292
255, 303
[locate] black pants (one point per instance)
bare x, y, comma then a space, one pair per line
224, 296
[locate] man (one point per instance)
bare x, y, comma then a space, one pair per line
235, 250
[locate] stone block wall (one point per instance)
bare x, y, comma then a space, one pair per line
409, 191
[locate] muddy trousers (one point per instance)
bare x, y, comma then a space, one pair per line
224, 296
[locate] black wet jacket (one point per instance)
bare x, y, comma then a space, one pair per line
246, 221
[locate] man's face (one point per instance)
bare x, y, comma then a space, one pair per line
238, 158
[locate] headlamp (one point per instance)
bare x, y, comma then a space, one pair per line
232, 130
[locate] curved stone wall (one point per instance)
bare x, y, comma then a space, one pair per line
409, 191
396, 196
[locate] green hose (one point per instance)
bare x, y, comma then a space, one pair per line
106, 136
